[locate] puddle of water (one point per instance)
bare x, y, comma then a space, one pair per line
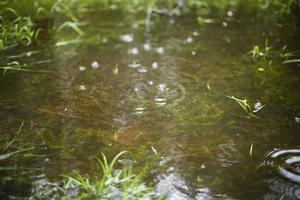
167, 96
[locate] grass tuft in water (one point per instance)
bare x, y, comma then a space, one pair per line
111, 184
244, 105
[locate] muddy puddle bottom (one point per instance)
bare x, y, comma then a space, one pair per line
161, 94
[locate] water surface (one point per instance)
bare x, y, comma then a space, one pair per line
164, 90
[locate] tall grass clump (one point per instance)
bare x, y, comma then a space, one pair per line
15, 29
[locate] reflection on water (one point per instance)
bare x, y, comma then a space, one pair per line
165, 103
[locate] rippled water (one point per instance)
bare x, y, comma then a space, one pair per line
165, 92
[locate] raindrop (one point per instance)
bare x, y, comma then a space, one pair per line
134, 51
142, 69
154, 65
139, 110
95, 65
82, 87
82, 68
126, 38
160, 50
160, 101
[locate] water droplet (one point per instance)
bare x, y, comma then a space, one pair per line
142, 69
160, 101
82, 87
82, 68
134, 51
154, 65
126, 38
160, 50
147, 46
139, 110
95, 65
189, 40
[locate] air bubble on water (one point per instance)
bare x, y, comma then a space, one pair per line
258, 106
134, 64
162, 87
189, 40
229, 13
126, 38
154, 65
95, 65
172, 21
82, 68
134, 51
139, 110
29, 54
160, 101
104, 40
225, 24
147, 46
135, 26
82, 87
160, 50
113, 7
143, 69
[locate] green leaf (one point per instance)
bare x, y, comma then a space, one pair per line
1, 44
